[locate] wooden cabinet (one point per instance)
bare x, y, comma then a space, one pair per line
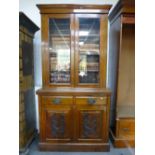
74, 123
74, 101
122, 72
27, 121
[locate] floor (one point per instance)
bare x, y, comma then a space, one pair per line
33, 150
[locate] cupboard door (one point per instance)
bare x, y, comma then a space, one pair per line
58, 125
57, 118
90, 61
58, 70
91, 123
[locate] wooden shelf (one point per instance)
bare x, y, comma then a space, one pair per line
92, 70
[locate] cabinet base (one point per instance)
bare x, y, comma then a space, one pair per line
78, 147
121, 143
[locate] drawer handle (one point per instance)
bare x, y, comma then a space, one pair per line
91, 101
57, 101
126, 129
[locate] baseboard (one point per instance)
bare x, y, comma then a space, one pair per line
72, 147
121, 142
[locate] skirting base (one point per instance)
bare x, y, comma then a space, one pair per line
72, 147
121, 143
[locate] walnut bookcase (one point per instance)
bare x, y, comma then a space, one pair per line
74, 101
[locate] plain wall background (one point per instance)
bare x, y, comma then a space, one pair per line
29, 8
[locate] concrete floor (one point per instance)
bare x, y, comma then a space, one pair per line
33, 150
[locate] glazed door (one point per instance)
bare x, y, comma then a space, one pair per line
74, 49
58, 49
89, 41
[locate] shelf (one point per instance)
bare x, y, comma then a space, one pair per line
92, 63
90, 45
89, 51
90, 35
57, 37
60, 76
92, 71
59, 71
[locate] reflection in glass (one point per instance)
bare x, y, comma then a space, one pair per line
59, 50
89, 50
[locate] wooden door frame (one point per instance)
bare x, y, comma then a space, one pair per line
45, 51
74, 24
103, 49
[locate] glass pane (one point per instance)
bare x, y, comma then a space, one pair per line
89, 50
59, 50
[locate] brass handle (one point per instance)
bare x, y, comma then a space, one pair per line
57, 101
126, 129
91, 101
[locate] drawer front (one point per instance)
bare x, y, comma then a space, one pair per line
57, 100
126, 128
91, 100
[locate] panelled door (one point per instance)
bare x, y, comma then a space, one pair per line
57, 116
91, 117
57, 127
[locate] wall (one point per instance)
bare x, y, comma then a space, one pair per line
30, 9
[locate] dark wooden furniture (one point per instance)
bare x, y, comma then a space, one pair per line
122, 73
27, 119
74, 102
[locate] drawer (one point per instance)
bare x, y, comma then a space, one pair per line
57, 100
91, 100
126, 128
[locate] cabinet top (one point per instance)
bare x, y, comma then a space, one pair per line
26, 22
122, 7
74, 91
72, 8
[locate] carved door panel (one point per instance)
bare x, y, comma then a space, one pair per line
58, 125
91, 123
